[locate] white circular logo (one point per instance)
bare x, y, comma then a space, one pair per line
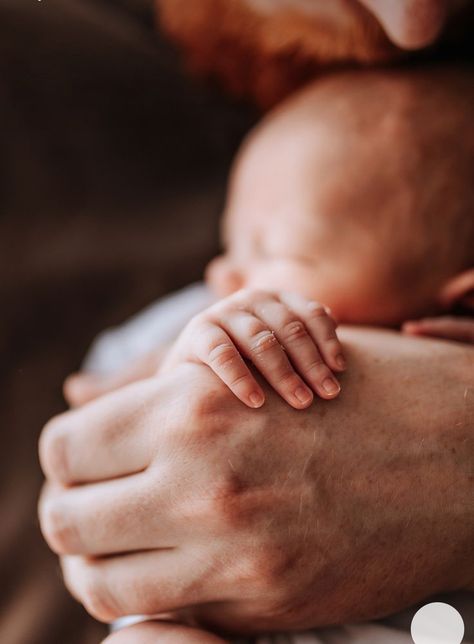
437, 623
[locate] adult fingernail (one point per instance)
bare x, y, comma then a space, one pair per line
331, 387
256, 399
303, 395
341, 361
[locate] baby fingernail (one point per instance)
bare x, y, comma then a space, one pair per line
341, 361
331, 387
256, 399
303, 395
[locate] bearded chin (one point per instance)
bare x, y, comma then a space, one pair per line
264, 49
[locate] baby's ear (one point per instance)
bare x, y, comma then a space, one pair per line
458, 292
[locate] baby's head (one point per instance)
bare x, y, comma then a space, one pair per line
358, 192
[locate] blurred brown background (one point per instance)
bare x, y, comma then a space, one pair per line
112, 175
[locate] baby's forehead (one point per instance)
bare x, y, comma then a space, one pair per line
284, 227
311, 181
339, 224
316, 170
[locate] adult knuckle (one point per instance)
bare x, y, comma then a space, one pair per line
228, 512
218, 507
53, 449
199, 407
272, 564
206, 417
196, 403
58, 528
226, 502
269, 566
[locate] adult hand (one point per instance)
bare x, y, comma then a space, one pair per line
170, 494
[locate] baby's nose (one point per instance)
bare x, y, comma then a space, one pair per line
224, 277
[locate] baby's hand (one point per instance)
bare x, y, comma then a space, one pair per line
459, 329
290, 340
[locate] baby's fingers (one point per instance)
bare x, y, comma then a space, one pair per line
292, 333
321, 327
216, 349
259, 344
448, 328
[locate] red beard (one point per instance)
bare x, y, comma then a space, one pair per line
266, 56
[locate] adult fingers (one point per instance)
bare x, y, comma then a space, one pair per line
108, 437
145, 583
312, 353
162, 632
121, 515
